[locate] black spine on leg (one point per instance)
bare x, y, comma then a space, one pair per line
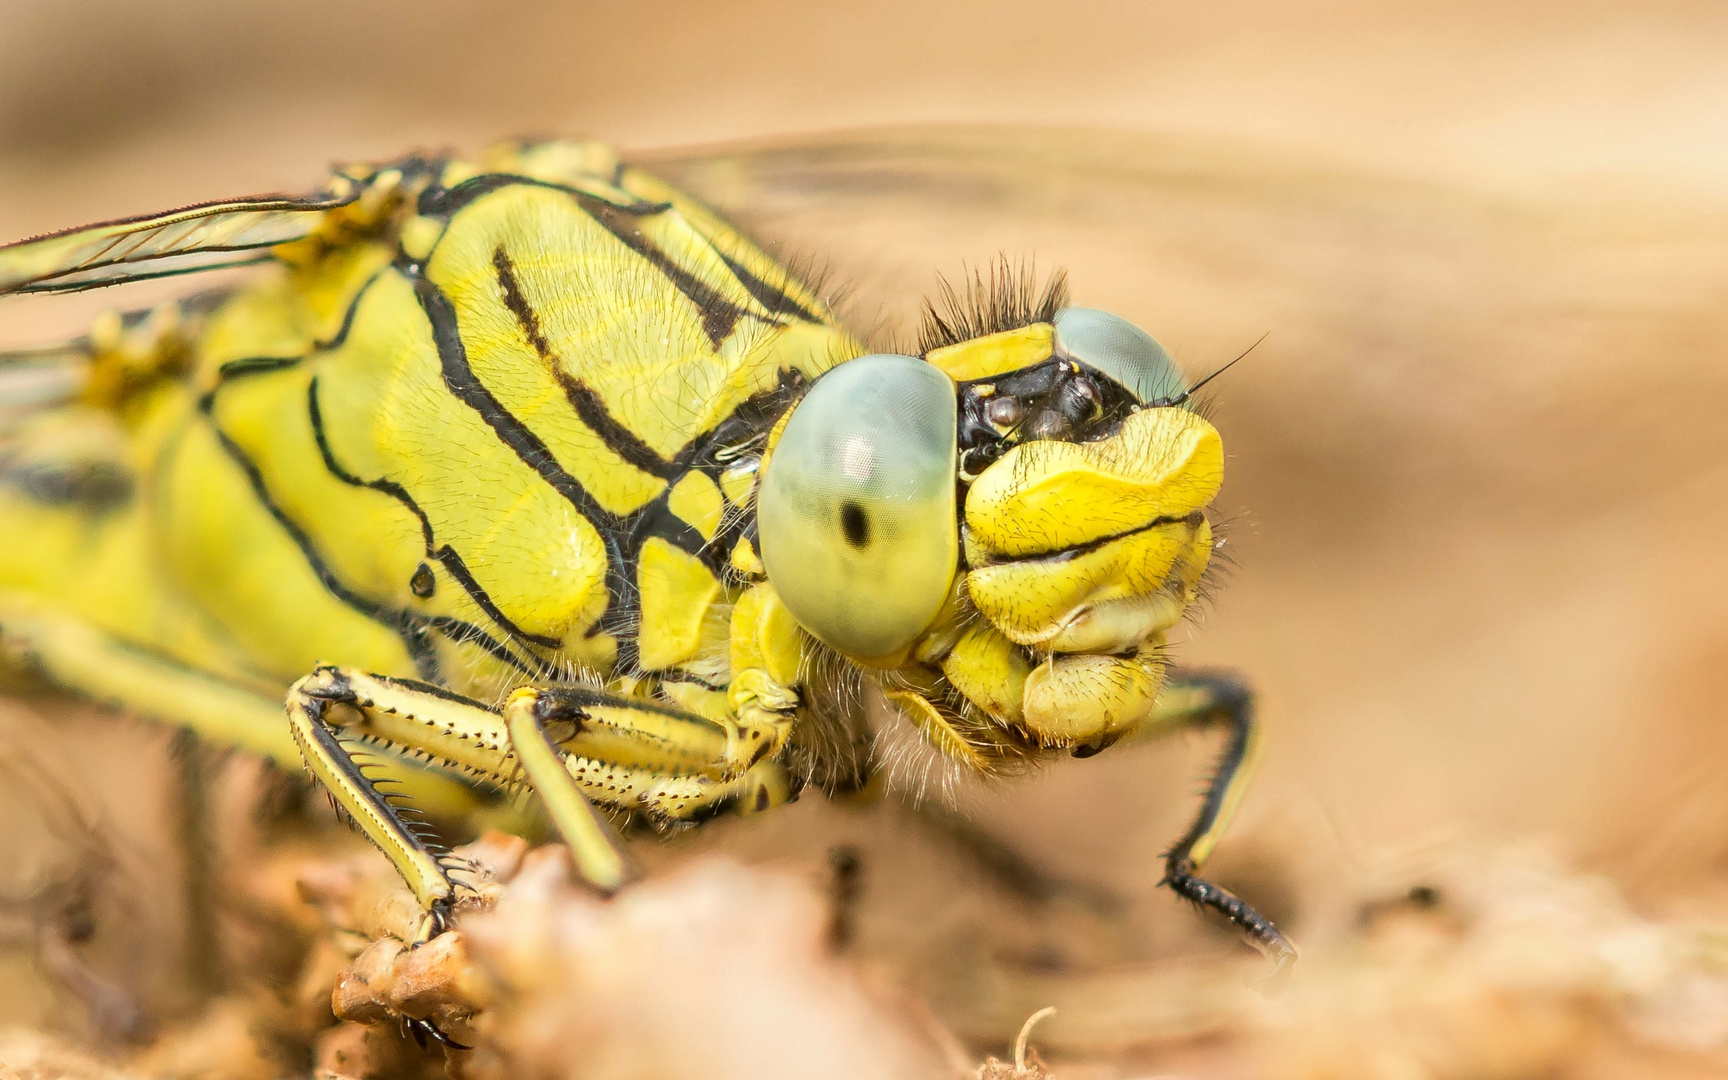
400, 818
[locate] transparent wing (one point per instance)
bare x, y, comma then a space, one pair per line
32, 377
192, 239
1137, 219
208, 236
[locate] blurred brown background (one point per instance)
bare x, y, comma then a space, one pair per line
1479, 481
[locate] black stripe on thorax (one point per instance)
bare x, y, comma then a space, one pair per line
774, 300
653, 519
411, 625
443, 553
623, 220
623, 536
255, 365
589, 408
461, 381
719, 315
405, 624
621, 615
447, 202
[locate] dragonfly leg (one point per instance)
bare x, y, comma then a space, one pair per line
79, 657
85, 660
1008, 867
323, 709
578, 749
1208, 700
594, 845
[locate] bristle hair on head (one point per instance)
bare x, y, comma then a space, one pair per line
988, 300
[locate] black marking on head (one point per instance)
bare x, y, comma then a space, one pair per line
1059, 399
854, 524
1007, 299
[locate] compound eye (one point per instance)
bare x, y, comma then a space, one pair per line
1120, 350
856, 512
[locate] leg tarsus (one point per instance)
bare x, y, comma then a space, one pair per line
1010, 868
422, 1030
1180, 878
440, 916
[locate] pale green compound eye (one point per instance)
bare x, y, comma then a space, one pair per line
856, 513
1120, 350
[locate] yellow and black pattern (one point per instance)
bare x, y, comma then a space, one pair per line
470, 472
479, 364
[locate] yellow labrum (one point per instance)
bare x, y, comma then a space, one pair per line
1047, 496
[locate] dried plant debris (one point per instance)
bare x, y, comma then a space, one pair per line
1476, 964
1470, 964
38, 1055
1026, 1065
1494, 963
711, 970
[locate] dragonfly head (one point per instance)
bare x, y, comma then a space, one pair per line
1020, 515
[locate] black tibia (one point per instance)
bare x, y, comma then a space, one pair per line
197, 840
844, 891
1222, 699
422, 1031
1010, 869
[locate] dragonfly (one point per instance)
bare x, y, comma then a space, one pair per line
535, 471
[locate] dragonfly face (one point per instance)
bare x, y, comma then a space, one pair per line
1022, 512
